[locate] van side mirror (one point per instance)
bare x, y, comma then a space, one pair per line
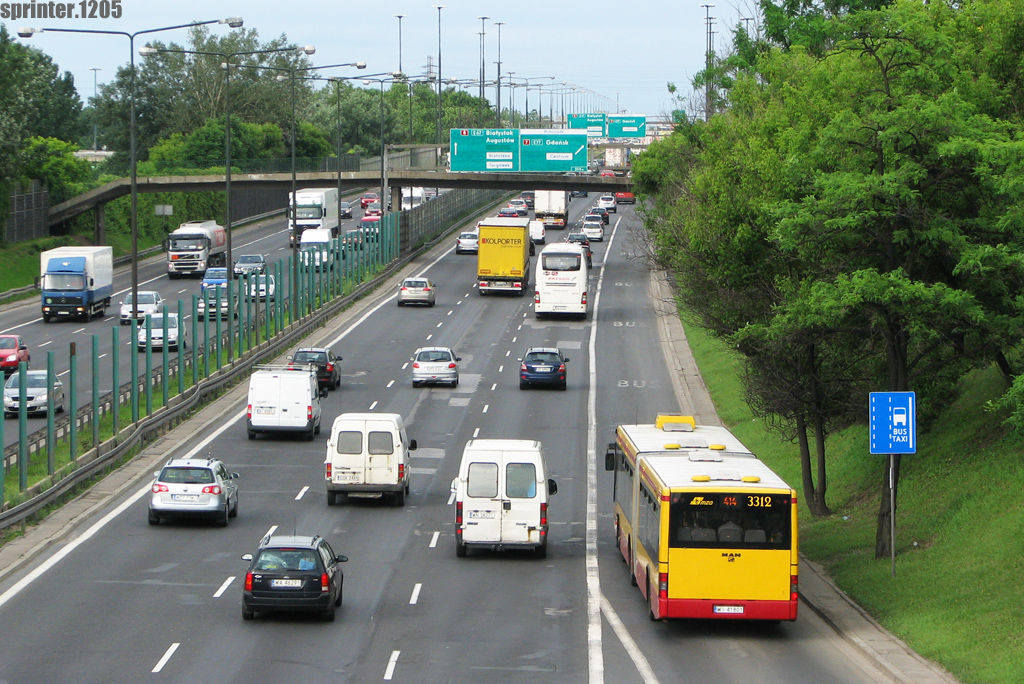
552, 487
412, 445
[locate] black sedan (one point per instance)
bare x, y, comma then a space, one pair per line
328, 373
289, 572
345, 210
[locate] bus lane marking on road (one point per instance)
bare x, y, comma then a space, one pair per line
223, 587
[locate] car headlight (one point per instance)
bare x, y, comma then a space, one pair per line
12, 357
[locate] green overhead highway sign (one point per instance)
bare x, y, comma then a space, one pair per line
596, 124
510, 149
626, 126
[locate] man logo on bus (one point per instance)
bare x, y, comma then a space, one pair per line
701, 501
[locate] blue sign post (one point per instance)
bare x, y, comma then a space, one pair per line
892, 429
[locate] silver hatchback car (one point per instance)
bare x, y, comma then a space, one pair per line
150, 302
416, 291
194, 487
435, 364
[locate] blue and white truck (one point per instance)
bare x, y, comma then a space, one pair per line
76, 281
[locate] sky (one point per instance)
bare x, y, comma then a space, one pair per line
623, 51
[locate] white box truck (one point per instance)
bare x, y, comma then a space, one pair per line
501, 496
313, 208
194, 247
552, 207
368, 455
76, 281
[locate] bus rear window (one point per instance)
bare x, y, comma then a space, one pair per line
561, 262
741, 519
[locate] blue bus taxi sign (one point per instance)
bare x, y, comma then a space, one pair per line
892, 423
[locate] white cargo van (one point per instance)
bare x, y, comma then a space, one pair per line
284, 399
501, 496
316, 244
368, 455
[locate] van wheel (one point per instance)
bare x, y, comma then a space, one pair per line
252, 435
316, 430
331, 499
541, 551
399, 498
310, 434
460, 549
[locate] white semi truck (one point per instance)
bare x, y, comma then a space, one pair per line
194, 247
312, 208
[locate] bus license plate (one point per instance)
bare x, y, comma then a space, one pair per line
286, 583
559, 308
734, 610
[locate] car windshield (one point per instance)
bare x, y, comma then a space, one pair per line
144, 298
216, 274
8, 343
158, 320
434, 356
468, 236
286, 560
33, 380
415, 283
309, 357
186, 475
344, 205
250, 259
542, 357
370, 196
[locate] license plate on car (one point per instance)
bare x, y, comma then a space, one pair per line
346, 477
184, 497
480, 515
544, 369
265, 411
286, 583
733, 610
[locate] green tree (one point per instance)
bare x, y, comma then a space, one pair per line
53, 162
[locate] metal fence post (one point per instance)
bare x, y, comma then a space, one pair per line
73, 382
95, 420
51, 420
115, 402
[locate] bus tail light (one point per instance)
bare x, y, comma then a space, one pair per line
536, 296
583, 299
248, 581
543, 515
662, 585
458, 514
325, 582
794, 595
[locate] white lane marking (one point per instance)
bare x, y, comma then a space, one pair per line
302, 492
459, 302
508, 352
450, 312
389, 384
101, 356
493, 386
519, 328
373, 406
428, 337
183, 291
476, 432
632, 649
433, 539
451, 499
271, 531
45, 343
167, 656
75, 332
514, 339
486, 406
415, 594
439, 324
64, 373
501, 368
392, 661
223, 587
524, 315
405, 365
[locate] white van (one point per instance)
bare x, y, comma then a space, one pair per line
316, 242
368, 455
284, 399
501, 496
561, 279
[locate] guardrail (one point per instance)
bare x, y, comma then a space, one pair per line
109, 451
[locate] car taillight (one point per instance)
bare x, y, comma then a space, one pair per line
157, 488
663, 585
211, 489
325, 582
458, 512
401, 471
328, 471
405, 289
543, 514
426, 289
451, 365
248, 581
522, 368
561, 368
416, 364
248, 412
330, 368
309, 413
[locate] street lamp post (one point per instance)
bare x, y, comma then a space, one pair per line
26, 32
483, 33
95, 130
440, 84
511, 100
497, 88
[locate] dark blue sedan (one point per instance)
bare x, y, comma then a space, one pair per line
542, 366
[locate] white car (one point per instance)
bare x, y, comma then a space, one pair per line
468, 242
594, 230
150, 302
176, 334
262, 287
435, 364
608, 202
35, 393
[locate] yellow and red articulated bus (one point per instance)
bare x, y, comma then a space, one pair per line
707, 529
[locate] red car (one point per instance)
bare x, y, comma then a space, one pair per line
373, 209
625, 198
12, 352
367, 198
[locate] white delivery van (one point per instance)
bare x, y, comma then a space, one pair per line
315, 244
501, 496
284, 399
368, 455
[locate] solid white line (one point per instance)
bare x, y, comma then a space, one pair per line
223, 587
476, 432
373, 406
415, 594
392, 661
167, 656
433, 540
389, 384
302, 492
628, 643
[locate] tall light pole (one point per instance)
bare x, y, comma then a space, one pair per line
483, 32
527, 80
440, 85
95, 130
497, 88
400, 17
511, 100
26, 32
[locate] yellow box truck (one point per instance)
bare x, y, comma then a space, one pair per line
503, 256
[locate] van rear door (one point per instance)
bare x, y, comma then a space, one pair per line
265, 393
382, 452
520, 515
482, 506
